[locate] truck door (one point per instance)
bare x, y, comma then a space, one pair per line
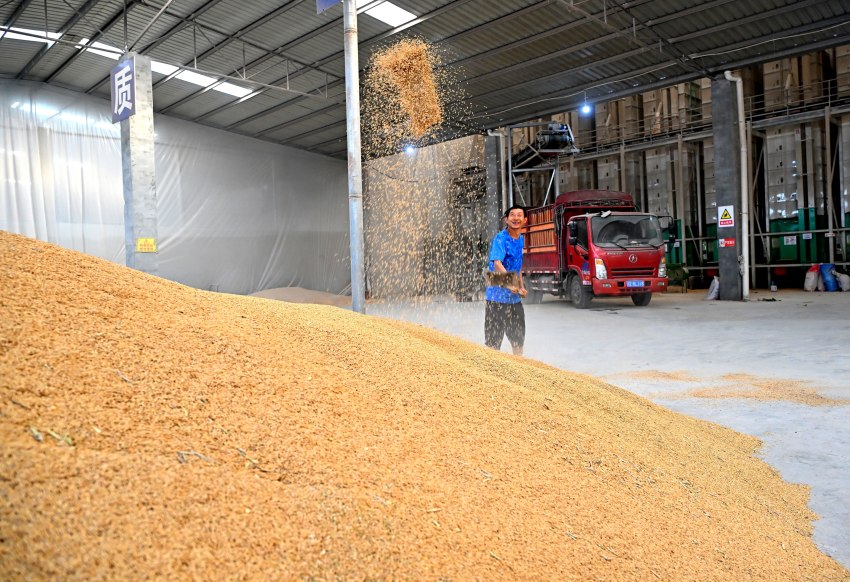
577, 257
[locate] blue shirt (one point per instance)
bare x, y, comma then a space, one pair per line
507, 249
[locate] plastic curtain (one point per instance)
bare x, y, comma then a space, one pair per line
234, 214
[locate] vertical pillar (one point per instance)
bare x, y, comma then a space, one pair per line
132, 90
727, 177
355, 176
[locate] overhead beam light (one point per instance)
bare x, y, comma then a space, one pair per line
389, 13
30, 35
98, 48
192, 77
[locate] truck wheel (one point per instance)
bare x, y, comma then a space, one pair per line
578, 294
642, 299
533, 297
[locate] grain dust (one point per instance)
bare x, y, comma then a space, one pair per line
408, 68
150, 430
427, 227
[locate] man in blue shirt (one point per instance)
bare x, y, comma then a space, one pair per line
504, 314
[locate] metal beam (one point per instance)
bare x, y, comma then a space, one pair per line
230, 38
324, 61
116, 17
78, 14
311, 132
296, 120
15, 15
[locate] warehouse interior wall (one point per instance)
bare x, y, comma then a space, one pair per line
235, 214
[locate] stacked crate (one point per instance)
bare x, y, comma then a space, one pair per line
705, 98
687, 100
607, 123
660, 181
811, 73
842, 70
782, 168
813, 142
708, 248
568, 177
784, 189
657, 107
630, 113
608, 173
781, 83
710, 188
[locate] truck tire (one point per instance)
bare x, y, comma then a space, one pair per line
642, 299
579, 295
533, 297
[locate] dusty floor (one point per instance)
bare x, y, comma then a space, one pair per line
154, 431
776, 367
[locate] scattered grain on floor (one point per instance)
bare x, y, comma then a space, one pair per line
151, 430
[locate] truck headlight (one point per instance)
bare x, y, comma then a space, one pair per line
662, 268
601, 271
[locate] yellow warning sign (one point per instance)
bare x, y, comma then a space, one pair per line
725, 216
145, 245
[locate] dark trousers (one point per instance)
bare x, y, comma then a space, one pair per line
501, 319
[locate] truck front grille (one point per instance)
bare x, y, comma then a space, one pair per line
637, 273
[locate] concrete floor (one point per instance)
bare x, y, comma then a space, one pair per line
794, 344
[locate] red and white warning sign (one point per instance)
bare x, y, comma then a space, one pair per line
725, 216
726, 242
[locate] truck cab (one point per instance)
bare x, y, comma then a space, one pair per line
615, 254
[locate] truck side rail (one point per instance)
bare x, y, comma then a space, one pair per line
540, 230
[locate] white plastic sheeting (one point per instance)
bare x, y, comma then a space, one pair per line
235, 214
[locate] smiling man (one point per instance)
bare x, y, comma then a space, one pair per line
504, 314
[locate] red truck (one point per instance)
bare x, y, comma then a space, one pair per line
593, 243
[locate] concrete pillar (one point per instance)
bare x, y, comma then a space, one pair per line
727, 178
137, 163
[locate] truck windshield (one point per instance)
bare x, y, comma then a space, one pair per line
626, 231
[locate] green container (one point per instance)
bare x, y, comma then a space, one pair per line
674, 253
786, 248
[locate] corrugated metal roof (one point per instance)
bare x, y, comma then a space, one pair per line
508, 61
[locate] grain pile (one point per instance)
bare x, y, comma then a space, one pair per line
151, 430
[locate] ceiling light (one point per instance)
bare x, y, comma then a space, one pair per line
101, 49
195, 78
232, 89
30, 35
163, 68
586, 109
391, 14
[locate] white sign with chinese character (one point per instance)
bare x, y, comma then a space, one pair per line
122, 81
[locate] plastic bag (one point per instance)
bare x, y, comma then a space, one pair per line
811, 281
713, 289
827, 271
843, 281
